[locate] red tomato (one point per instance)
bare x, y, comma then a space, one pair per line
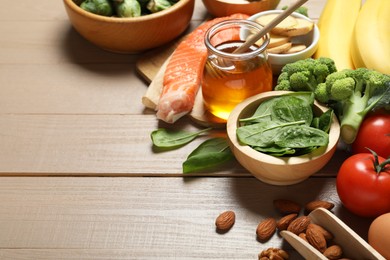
374, 133
361, 189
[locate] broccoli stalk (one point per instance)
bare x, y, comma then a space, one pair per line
354, 93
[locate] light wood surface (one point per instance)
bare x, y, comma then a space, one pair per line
79, 176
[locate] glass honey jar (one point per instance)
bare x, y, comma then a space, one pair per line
228, 77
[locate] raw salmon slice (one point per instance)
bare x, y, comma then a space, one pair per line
184, 71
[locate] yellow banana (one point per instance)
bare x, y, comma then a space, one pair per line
336, 26
371, 38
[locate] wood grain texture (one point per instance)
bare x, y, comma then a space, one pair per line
70, 111
100, 145
164, 218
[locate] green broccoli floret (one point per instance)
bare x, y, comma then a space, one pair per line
303, 81
342, 89
283, 85
321, 93
333, 77
305, 75
329, 63
352, 94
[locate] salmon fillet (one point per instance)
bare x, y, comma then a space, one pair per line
184, 71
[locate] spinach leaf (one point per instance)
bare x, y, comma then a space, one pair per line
315, 123
325, 120
262, 134
208, 155
262, 113
253, 134
290, 109
301, 137
305, 96
275, 150
165, 138
264, 110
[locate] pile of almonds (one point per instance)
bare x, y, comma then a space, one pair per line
317, 236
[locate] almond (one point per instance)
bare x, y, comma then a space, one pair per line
333, 252
225, 220
326, 233
309, 207
286, 207
266, 229
285, 221
303, 236
299, 225
316, 238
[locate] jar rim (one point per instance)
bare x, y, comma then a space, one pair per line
236, 22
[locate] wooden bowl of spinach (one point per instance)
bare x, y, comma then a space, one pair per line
282, 137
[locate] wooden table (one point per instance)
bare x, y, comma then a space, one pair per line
80, 178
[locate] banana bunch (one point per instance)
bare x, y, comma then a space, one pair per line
371, 37
336, 26
356, 35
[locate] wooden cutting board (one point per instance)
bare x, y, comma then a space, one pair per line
151, 62
151, 67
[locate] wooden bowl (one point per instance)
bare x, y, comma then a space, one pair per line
227, 7
278, 170
134, 34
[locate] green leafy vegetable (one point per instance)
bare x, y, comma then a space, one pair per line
262, 134
263, 112
285, 126
324, 121
208, 155
291, 109
165, 138
300, 137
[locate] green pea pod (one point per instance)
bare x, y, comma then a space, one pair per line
100, 7
158, 5
128, 8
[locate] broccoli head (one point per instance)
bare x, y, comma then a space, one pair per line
305, 75
352, 94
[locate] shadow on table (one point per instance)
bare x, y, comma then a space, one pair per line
80, 51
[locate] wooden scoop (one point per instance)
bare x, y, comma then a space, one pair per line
353, 245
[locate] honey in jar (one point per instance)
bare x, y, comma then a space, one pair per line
228, 77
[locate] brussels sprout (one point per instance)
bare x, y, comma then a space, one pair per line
101, 7
128, 8
158, 5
